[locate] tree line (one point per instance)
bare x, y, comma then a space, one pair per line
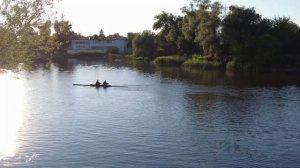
207, 34
236, 37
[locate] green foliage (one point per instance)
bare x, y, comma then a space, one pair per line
169, 60
25, 37
63, 34
286, 34
201, 25
256, 43
143, 44
94, 37
130, 37
101, 35
241, 38
115, 35
169, 39
241, 29
43, 44
203, 62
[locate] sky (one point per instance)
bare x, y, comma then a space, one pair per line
88, 17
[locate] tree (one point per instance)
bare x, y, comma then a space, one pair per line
270, 44
202, 25
189, 27
130, 37
143, 44
20, 22
94, 37
115, 35
63, 34
101, 35
46, 44
8, 41
287, 34
240, 31
170, 30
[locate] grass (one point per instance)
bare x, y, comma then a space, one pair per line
169, 60
203, 62
86, 55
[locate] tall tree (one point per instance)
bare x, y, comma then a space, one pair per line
143, 44
170, 30
207, 30
240, 32
63, 34
101, 35
130, 37
46, 44
201, 24
287, 34
20, 21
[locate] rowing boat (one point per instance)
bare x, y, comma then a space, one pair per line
97, 86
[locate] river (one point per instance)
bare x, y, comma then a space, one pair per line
166, 117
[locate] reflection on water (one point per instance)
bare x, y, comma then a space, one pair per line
11, 113
193, 76
167, 117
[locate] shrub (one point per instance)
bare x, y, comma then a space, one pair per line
169, 60
203, 62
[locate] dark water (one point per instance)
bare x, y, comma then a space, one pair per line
167, 117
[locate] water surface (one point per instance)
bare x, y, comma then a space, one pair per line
166, 117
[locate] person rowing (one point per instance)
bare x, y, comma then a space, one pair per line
98, 84
105, 83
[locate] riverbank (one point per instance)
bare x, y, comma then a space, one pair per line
208, 63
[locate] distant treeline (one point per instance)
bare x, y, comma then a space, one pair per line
209, 35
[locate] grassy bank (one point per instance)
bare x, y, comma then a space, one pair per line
202, 62
169, 60
86, 55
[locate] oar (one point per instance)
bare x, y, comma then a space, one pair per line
118, 86
80, 85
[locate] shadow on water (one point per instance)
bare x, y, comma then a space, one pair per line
230, 79
191, 76
142, 66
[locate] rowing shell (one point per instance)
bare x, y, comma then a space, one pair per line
97, 86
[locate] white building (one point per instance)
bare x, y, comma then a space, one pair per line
98, 46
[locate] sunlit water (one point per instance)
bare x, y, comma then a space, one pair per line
166, 117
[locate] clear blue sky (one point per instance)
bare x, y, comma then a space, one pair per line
122, 16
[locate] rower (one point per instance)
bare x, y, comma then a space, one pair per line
105, 83
98, 83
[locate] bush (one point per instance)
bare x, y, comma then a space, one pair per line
169, 60
203, 58
203, 62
